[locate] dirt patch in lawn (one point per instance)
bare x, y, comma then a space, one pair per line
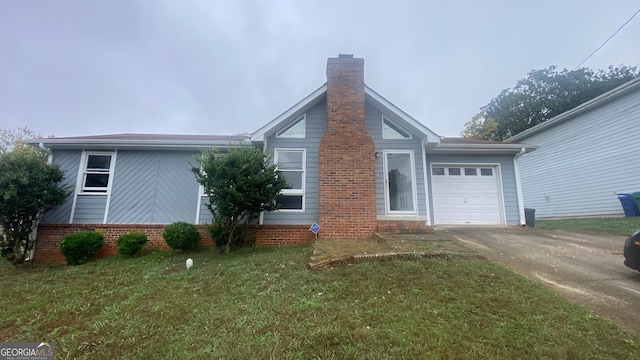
328, 252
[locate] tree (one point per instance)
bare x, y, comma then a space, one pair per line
28, 188
240, 184
541, 96
12, 138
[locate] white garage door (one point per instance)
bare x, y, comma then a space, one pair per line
466, 195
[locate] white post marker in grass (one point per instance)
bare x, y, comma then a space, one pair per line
189, 263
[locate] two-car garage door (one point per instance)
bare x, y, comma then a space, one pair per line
466, 195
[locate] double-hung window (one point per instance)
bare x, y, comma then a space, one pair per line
97, 172
291, 164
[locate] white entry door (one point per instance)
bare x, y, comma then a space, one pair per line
466, 195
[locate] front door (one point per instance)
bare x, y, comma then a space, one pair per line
400, 182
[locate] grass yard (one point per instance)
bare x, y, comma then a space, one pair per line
624, 226
265, 303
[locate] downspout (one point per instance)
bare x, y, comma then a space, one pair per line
49, 153
35, 230
516, 170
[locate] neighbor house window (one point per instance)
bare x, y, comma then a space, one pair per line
391, 130
291, 164
295, 129
97, 172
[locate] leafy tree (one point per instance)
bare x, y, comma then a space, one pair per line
12, 138
28, 188
541, 96
240, 184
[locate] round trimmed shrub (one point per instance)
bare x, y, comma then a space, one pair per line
81, 247
181, 235
129, 244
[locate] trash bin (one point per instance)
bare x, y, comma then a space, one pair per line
530, 217
629, 205
636, 199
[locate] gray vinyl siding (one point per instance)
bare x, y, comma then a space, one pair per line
90, 209
205, 214
509, 193
68, 161
582, 162
373, 122
316, 124
153, 187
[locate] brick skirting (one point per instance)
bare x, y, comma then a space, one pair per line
49, 235
399, 226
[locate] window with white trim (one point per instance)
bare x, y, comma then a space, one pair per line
296, 129
391, 130
97, 172
291, 164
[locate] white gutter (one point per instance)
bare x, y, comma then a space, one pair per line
516, 171
426, 183
34, 233
49, 153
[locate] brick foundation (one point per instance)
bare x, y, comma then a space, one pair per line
399, 226
49, 236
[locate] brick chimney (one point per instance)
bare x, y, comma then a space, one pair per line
347, 182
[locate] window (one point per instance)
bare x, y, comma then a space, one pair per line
486, 172
454, 171
291, 164
400, 182
437, 171
470, 171
390, 130
294, 130
97, 172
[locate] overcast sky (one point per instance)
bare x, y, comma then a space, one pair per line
80, 67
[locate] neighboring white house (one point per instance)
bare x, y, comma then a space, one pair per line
586, 156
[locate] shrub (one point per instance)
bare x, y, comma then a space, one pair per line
181, 235
129, 244
81, 247
221, 235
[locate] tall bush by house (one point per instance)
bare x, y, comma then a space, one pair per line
129, 244
81, 247
240, 184
181, 236
28, 188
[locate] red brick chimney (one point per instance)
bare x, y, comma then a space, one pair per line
347, 179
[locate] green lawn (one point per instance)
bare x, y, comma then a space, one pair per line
265, 303
624, 226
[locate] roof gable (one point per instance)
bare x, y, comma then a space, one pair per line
371, 96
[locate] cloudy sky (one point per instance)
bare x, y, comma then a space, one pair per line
75, 67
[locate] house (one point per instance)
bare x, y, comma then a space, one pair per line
586, 156
357, 165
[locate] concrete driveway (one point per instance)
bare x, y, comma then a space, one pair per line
585, 268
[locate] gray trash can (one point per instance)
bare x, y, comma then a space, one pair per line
530, 217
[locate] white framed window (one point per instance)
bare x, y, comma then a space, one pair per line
98, 171
393, 131
292, 165
400, 182
295, 129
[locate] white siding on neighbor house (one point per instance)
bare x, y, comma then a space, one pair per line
316, 124
582, 162
505, 163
